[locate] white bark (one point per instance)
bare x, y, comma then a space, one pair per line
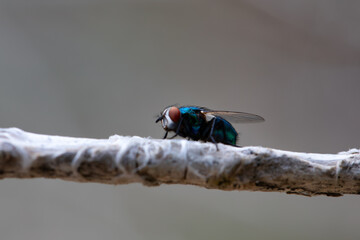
122, 160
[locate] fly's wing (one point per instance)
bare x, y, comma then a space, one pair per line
235, 117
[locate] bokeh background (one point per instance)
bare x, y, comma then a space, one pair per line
94, 68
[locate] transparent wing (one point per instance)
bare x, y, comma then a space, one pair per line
236, 117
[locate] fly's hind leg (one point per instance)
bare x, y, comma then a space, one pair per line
211, 136
216, 144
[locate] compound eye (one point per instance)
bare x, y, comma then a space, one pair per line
174, 114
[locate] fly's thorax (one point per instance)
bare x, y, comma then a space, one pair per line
170, 118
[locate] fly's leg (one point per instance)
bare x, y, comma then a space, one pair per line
166, 134
210, 135
173, 136
178, 129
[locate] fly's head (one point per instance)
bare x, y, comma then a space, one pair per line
169, 118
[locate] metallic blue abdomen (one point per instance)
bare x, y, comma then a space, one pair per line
224, 132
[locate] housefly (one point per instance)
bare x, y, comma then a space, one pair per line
199, 123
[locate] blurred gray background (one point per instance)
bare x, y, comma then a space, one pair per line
94, 68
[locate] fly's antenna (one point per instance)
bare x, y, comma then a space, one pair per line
159, 118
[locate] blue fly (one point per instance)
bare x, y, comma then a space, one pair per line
199, 123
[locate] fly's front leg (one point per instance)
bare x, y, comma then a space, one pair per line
166, 134
178, 129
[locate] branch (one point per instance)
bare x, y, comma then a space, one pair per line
122, 160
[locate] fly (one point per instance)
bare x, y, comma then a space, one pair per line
199, 123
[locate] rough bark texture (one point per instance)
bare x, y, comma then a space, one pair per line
122, 160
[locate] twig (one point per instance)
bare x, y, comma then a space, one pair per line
122, 160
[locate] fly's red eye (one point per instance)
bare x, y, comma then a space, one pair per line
174, 114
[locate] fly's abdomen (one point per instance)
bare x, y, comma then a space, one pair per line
224, 132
